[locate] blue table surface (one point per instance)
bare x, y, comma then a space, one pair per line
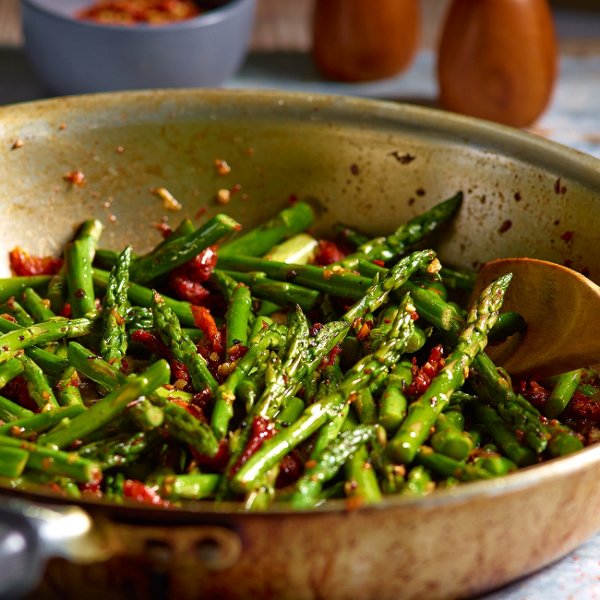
573, 118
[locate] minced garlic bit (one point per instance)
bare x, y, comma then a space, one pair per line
169, 201
75, 177
223, 196
222, 167
434, 266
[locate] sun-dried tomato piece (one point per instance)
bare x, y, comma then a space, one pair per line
290, 469
328, 253
212, 336
262, 429
422, 376
200, 268
164, 229
16, 390
331, 357
534, 392
186, 280
192, 409
187, 289
584, 407
138, 491
24, 264
216, 463
151, 342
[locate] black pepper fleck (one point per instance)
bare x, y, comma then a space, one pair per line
505, 226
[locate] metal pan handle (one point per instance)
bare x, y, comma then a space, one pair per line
32, 533
21, 553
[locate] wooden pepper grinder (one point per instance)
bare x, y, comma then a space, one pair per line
497, 59
361, 40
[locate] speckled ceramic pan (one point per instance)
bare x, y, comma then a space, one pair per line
368, 164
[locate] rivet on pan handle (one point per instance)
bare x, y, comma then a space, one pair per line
218, 548
210, 546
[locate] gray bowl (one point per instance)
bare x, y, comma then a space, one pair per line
72, 56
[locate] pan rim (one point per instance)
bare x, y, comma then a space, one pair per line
342, 109
520, 481
464, 129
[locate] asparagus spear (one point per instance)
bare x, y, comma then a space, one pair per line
11, 287
225, 394
455, 279
261, 239
350, 235
393, 400
55, 462
38, 386
113, 344
13, 461
145, 415
279, 380
179, 250
332, 281
17, 312
90, 232
119, 450
309, 486
449, 440
450, 467
9, 370
408, 234
503, 436
142, 296
183, 349
282, 293
489, 383
67, 386
36, 306
33, 424
361, 479
276, 447
291, 412
18, 338
108, 376
94, 367
104, 411
508, 324
192, 486
299, 249
396, 277
79, 278
325, 409
562, 392
11, 411
238, 317
418, 482
186, 427
423, 412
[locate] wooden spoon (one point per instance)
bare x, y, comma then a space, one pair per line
562, 310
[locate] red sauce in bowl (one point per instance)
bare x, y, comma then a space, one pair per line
131, 12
